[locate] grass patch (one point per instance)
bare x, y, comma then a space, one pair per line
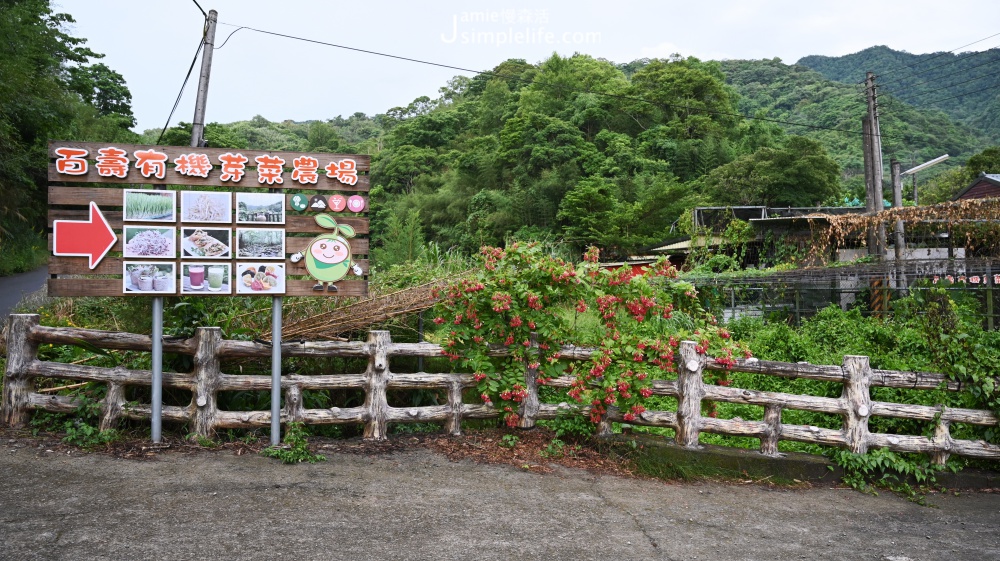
23, 252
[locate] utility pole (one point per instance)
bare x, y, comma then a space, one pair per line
197, 133
870, 208
874, 136
198, 125
900, 242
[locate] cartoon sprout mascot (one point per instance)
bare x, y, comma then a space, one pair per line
328, 256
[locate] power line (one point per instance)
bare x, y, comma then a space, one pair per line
970, 55
200, 8
933, 102
495, 75
201, 44
910, 86
919, 62
922, 94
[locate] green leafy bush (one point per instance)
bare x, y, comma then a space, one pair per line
296, 448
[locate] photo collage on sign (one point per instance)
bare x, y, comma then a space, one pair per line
205, 241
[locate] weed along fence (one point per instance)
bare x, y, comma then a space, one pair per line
205, 381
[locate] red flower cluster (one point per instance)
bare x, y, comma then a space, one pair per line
517, 393
605, 305
501, 302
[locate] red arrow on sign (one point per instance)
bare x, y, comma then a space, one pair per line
83, 238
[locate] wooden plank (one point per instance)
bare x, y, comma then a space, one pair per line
247, 183
113, 287
107, 339
113, 266
359, 246
789, 401
118, 375
929, 413
783, 369
172, 152
305, 223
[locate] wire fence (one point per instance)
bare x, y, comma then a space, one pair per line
871, 288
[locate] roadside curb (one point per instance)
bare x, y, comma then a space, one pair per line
658, 457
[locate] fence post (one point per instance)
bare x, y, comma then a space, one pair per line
529, 406
376, 380
111, 409
605, 427
942, 440
691, 389
772, 420
293, 403
21, 352
454, 423
857, 402
204, 407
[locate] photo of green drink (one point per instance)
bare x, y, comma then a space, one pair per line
216, 273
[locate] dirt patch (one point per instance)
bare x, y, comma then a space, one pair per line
537, 450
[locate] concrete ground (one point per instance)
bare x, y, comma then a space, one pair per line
59, 504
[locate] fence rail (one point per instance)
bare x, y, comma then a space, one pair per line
206, 380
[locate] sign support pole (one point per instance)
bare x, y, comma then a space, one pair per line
157, 382
275, 370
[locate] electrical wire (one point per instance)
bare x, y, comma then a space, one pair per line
228, 37
183, 85
936, 101
495, 75
960, 70
923, 94
200, 8
919, 62
953, 61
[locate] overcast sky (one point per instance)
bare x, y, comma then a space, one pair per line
152, 43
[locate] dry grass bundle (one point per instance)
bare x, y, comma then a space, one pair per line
362, 314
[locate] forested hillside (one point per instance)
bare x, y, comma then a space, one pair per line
580, 151
797, 94
962, 85
50, 87
575, 151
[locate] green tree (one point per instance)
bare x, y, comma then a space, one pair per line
401, 241
798, 174
48, 90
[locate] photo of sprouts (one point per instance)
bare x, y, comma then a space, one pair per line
260, 207
260, 243
260, 278
148, 277
149, 241
208, 243
206, 206
206, 278
149, 206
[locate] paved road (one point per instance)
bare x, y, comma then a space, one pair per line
14, 287
417, 505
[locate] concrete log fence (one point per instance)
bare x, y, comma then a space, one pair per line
208, 350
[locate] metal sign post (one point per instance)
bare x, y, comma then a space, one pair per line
275, 370
157, 383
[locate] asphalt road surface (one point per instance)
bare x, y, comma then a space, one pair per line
15, 287
418, 505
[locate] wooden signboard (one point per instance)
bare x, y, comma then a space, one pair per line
166, 220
